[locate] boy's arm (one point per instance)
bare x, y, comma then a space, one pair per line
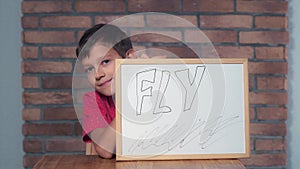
104, 140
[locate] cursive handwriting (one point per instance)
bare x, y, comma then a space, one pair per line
178, 136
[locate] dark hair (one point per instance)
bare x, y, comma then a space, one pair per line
105, 34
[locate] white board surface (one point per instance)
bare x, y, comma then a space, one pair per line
172, 109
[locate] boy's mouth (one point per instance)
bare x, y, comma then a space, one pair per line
104, 83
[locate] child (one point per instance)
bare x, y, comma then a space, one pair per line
97, 50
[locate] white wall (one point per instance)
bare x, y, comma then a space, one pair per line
11, 151
293, 139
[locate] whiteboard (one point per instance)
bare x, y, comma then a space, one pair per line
182, 109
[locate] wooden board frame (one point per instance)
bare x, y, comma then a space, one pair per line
121, 157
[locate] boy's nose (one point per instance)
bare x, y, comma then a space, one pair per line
99, 73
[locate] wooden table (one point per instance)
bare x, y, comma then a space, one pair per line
94, 162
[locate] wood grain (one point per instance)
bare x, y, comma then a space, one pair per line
94, 162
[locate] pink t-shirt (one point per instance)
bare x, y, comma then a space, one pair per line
98, 112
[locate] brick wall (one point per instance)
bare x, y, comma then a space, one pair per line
252, 29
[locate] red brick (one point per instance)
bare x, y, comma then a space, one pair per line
228, 51
108, 18
60, 113
30, 22
31, 114
226, 21
156, 36
268, 67
47, 98
251, 113
111, 6
263, 37
65, 145
66, 22
59, 52
60, 82
80, 82
251, 81
79, 34
257, 6
270, 145
139, 47
280, 22
79, 96
271, 83
30, 160
271, 53
272, 113
220, 36
29, 52
32, 146
78, 129
175, 52
79, 70
207, 36
153, 6
122, 21
47, 129
265, 160
48, 37
268, 98
30, 82
251, 144
207, 6
46, 67
46, 6
156, 52
286, 52
278, 129
171, 21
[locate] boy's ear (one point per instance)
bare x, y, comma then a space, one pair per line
130, 54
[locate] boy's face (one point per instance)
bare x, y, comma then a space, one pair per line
100, 68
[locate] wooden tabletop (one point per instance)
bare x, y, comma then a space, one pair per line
94, 162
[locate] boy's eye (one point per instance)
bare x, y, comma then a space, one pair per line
89, 69
105, 62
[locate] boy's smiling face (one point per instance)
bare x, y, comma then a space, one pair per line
100, 68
